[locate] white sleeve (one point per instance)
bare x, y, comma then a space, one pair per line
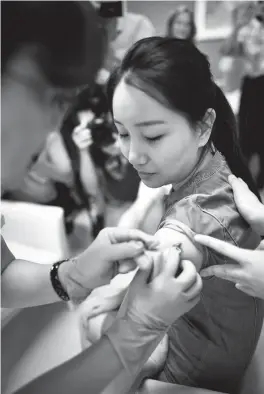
144, 29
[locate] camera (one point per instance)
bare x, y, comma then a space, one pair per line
103, 135
102, 131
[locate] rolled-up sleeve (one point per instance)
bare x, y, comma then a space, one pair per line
187, 217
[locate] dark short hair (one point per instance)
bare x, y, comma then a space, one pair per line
181, 9
175, 73
67, 36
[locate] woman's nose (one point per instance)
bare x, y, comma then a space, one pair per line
136, 155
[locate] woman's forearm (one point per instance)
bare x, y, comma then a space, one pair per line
88, 173
136, 214
155, 387
26, 284
90, 372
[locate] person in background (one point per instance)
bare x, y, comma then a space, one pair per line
176, 127
247, 44
181, 24
81, 166
79, 138
43, 68
251, 123
50, 181
122, 31
147, 209
104, 177
248, 273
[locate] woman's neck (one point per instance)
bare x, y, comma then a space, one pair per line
202, 161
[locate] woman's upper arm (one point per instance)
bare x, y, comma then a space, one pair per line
169, 237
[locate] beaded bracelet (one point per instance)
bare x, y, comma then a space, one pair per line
56, 283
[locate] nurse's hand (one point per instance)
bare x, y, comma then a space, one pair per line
156, 302
248, 204
247, 274
115, 250
151, 306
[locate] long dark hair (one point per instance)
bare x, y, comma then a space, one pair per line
67, 36
170, 23
68, 125
178, 75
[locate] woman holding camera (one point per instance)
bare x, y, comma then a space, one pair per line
101, 174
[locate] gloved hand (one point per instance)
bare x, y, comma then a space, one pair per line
151, 306
114, 250
248, 204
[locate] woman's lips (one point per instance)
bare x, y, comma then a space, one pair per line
145, 174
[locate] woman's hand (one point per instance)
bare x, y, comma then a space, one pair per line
248, 204
247, 274
82, 137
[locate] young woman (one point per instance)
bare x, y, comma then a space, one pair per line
102, 175
181, 24
246, 46
176, 127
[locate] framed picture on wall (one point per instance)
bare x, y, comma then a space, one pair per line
213, 19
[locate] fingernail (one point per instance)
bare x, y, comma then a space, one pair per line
138, 245
231, 178
154, 245
143, 261
203, 274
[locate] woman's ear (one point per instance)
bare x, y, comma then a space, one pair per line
206, 126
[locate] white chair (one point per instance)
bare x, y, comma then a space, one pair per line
33, 232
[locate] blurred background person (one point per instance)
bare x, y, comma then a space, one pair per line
181, 24
122, 28
101, 171
246, 45
81, 168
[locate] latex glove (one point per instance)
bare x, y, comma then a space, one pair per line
145, 302
248, 204
103, 259
109, 297
151, 306
248, 274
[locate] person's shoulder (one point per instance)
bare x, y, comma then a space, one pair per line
189, 212
208, 207
132, 16
214, 214
139, 20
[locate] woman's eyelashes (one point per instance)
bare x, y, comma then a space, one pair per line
123, 135
153, 139
149, 139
